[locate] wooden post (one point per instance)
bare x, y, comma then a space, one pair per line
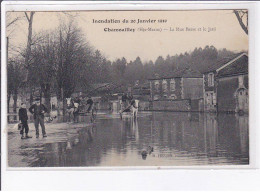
7, 46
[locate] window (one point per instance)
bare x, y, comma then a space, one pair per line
172, 85
210, 79
156, 85
210, 98
164, 86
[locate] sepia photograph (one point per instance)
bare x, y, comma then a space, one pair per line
141, 88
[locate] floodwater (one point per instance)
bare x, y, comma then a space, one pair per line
177, 139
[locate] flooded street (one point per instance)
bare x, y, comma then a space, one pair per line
177, 139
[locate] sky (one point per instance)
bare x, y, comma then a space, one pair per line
226, 33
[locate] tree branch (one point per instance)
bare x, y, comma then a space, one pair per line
12, 22
27, 16
241, 22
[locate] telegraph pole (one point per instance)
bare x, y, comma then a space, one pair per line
7, 45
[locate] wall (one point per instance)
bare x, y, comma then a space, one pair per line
144, 105
104, 105
197, 105
175, 105
246, 81
192, 88
227, 93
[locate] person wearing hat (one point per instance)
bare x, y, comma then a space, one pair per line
23, 117
38, 111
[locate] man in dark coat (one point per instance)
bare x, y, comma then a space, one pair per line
124, 98
124, 103
23, 117
90, 103
38, 111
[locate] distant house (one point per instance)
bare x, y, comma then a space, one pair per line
103, 94
225, 85
182, 87
141, 90
183, 84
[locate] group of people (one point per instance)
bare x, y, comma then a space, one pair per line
37, 109
74, 105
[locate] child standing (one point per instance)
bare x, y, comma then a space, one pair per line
24, 118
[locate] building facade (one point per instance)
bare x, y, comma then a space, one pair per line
175, 92
185, 84
226, 85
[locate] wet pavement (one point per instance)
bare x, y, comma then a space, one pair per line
177, 139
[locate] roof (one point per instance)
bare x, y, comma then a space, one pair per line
223, 62
238, 67
142, 85
99, 87
182, 73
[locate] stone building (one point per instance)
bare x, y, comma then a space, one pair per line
180, 91
225, 85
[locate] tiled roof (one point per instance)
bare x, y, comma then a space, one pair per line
221, 63
239, 66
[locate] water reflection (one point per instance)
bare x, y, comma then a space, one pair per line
176, 139
56, 119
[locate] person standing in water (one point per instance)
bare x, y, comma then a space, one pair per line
90, 102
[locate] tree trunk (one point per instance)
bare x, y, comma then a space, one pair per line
31, 95
63, 102
59, 101
59, 106
59, 79
29, 40
47, 95
64, 105
15, 96
8, 102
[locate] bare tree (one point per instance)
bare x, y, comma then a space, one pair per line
58, 62
242, 17
28, 49
13, 68
43, 63
72, 57
14, 79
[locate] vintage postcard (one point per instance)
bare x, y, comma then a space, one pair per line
135, 88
